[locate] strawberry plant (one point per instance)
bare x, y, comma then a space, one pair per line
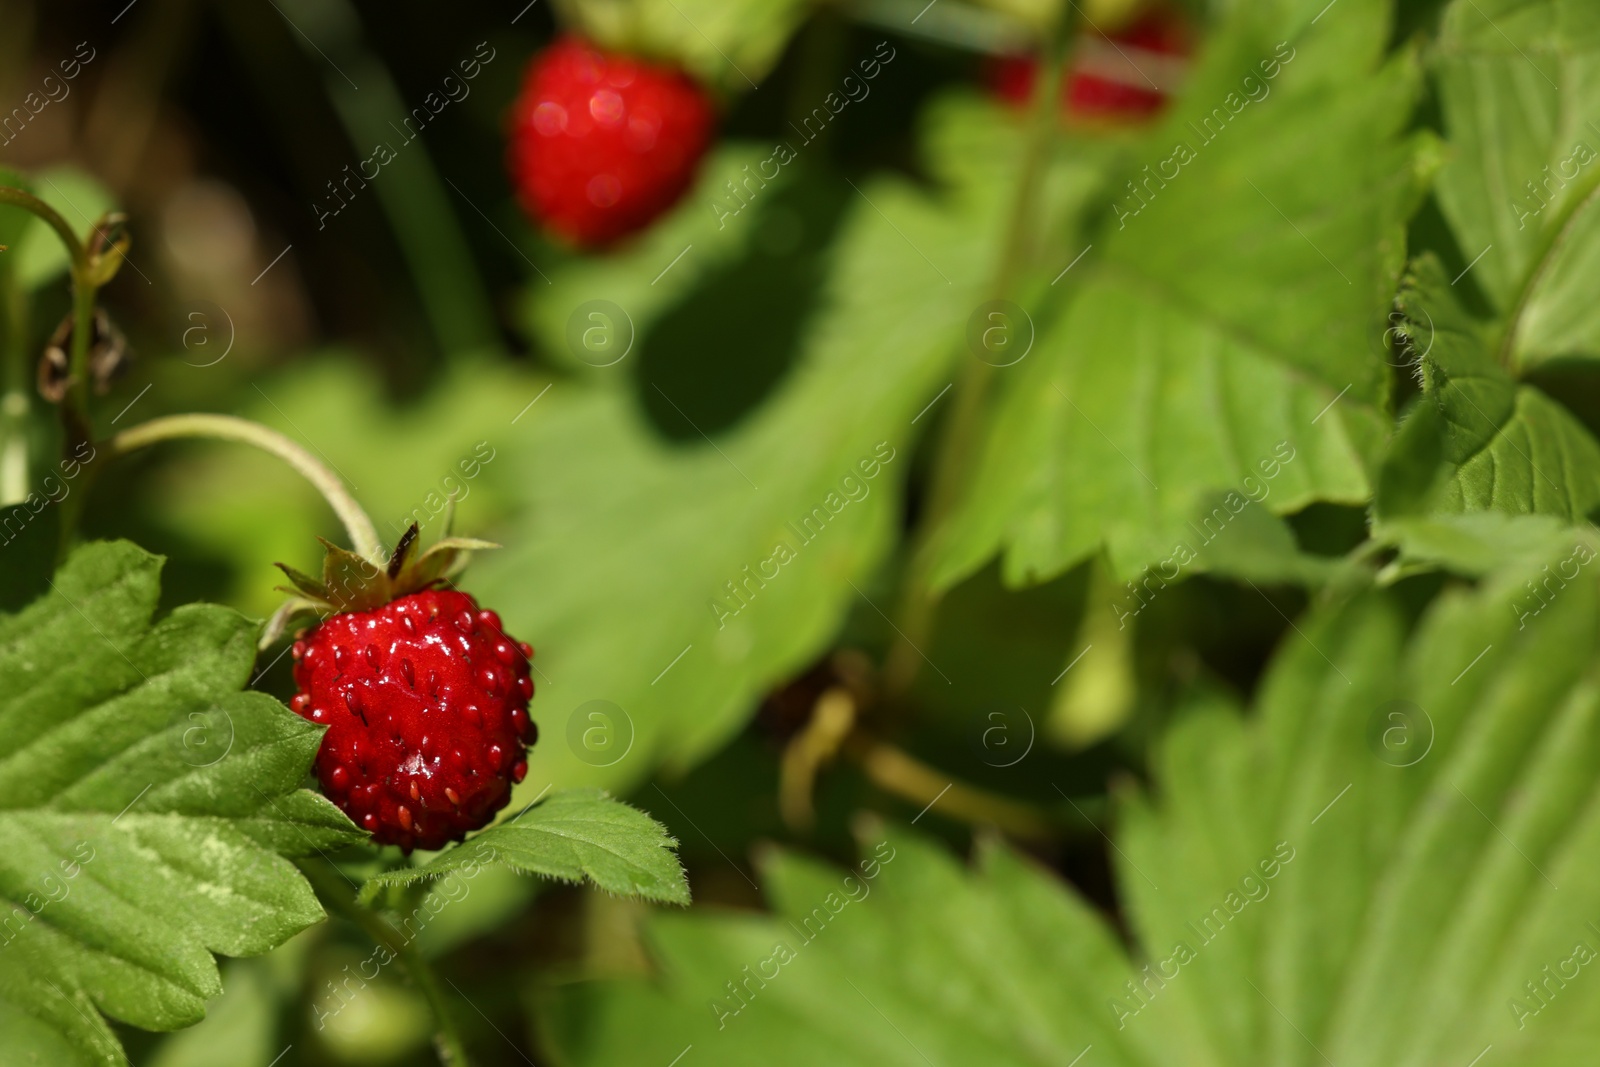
1068, 526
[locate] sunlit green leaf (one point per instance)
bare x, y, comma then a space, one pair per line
146, 810
1224, 332
577, 836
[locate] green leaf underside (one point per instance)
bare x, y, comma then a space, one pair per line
1478, 440
1519, 85
1385, 910
146, 807
576, 836
1480, 543
1218, 314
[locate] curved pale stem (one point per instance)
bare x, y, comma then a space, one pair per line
363, 536
896, 771
84, 288
28, 202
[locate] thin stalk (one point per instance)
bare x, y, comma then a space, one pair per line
895, 771
14, 402
75, 409
959, 440
331, 889
363, 536
28, 202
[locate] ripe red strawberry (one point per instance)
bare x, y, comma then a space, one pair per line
1111, 75
601, 144
424, 696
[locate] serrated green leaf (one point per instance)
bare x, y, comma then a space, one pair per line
903, 960
1519, 90
576, 836
146, 808
1478, 440
243, 1022
1232, 307
1369, 869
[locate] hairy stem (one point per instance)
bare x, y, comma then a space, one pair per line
959, 440
363, 537
332, 889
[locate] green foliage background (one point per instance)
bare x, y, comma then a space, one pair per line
1268, 560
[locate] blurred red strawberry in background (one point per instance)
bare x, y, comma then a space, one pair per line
601, 144
1123, 76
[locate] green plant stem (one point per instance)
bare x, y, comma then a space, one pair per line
363, 536
14, 403
959, 440
895, 771
75, 408
331, 888
28, 202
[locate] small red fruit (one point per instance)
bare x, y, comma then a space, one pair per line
602, 144
1122, 76
424, 696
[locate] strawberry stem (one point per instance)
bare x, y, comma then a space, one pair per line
951, 469
363, 536
329, 884
85, 286
896, 771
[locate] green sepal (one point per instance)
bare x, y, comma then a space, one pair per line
354, 583
303, 582
444, 559
279, 622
